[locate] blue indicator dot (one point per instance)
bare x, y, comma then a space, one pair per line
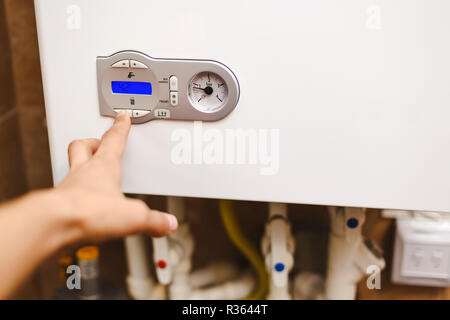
352, 223
279, 267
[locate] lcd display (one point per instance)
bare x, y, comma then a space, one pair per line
130, 87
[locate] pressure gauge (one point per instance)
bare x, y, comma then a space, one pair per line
208, 92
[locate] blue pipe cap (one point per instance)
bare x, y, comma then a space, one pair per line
352, 223
279, 267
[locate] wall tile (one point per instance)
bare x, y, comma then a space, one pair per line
12, 178
28, 91
35, 146
21, 22
6, 80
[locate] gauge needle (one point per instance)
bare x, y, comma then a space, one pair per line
207, 90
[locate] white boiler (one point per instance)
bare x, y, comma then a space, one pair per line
300, 101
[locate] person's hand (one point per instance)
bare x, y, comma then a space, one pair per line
88, 206
97, 206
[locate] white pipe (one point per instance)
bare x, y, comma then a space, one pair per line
348, 255
216, 276
342, 275
347, 266
162, 260
169, 261
176, 206
277, 209
141, 286
180, 252
308, 286
215, 273
278, 247
231, 290
139, 281
181, 249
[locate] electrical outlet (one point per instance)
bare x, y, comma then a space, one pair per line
425, 261
422, 252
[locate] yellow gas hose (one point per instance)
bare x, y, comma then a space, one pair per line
248, 249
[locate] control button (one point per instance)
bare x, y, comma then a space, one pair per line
173, 83
162, 113
137, 65
130, 112
140, 113
121, 64
173, 98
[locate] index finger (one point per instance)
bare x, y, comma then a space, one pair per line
114, 140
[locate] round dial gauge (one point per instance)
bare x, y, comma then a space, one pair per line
208, 92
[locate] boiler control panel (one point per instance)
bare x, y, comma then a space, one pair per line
179, 89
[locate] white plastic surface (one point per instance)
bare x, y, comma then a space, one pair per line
355, 95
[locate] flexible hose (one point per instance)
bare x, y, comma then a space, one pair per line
236, 235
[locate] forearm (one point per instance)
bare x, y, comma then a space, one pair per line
31, 229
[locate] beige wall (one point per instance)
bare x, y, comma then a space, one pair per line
25, 164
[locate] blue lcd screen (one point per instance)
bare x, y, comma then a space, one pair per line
130, 87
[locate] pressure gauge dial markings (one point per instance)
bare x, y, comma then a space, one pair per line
208, 92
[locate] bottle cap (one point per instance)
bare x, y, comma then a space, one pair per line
87, 253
